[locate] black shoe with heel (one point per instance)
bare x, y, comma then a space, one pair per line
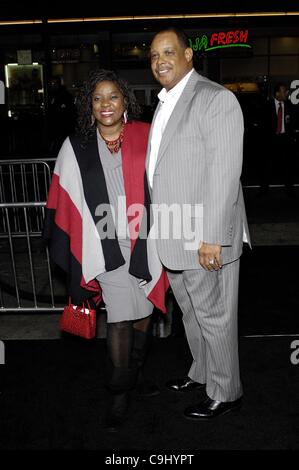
117, 411
145, 387
121, 382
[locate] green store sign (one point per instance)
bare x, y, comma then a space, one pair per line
220, 40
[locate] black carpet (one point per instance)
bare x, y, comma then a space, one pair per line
269, 294
54, 398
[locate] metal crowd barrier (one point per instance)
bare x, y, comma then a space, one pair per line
24, 180
26, 278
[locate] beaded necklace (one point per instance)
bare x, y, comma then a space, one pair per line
114, 145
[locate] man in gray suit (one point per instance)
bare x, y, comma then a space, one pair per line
194, 164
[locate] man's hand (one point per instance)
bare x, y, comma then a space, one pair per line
209, 257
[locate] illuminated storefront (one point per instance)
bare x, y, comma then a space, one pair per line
246, 54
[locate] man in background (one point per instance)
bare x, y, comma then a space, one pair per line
278, 162
61, 115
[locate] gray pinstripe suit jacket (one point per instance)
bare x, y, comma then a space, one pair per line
200, 162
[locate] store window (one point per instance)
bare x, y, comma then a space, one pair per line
251, 67
146, 94
284, 45
284, 66
74, 56
25, 88
133, 53
260, 46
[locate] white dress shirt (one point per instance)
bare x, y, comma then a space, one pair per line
168, 100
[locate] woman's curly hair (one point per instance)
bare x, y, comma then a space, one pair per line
86, 127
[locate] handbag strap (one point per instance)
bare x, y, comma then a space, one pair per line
83, 306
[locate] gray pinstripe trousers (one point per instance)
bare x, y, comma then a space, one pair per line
209, 302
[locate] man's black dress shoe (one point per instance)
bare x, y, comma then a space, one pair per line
183, 385
209, 409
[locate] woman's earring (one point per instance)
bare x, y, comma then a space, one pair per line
125, 117
92, 120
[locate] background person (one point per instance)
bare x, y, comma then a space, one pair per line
278, 161
61, 115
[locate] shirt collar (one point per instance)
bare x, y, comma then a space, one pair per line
172, 94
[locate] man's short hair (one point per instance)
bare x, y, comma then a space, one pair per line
278, 86
181, 35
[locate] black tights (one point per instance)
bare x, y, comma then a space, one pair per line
120, 339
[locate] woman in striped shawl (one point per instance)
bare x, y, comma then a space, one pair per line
98, 187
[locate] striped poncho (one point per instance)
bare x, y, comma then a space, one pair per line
77, 189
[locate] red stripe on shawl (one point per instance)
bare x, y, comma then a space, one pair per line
93, 286
134, 150
157, 294
68, 219
67, 216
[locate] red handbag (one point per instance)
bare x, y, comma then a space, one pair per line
78, 320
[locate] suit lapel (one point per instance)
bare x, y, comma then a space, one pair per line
177, 114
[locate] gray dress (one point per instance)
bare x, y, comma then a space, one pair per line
123, 298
